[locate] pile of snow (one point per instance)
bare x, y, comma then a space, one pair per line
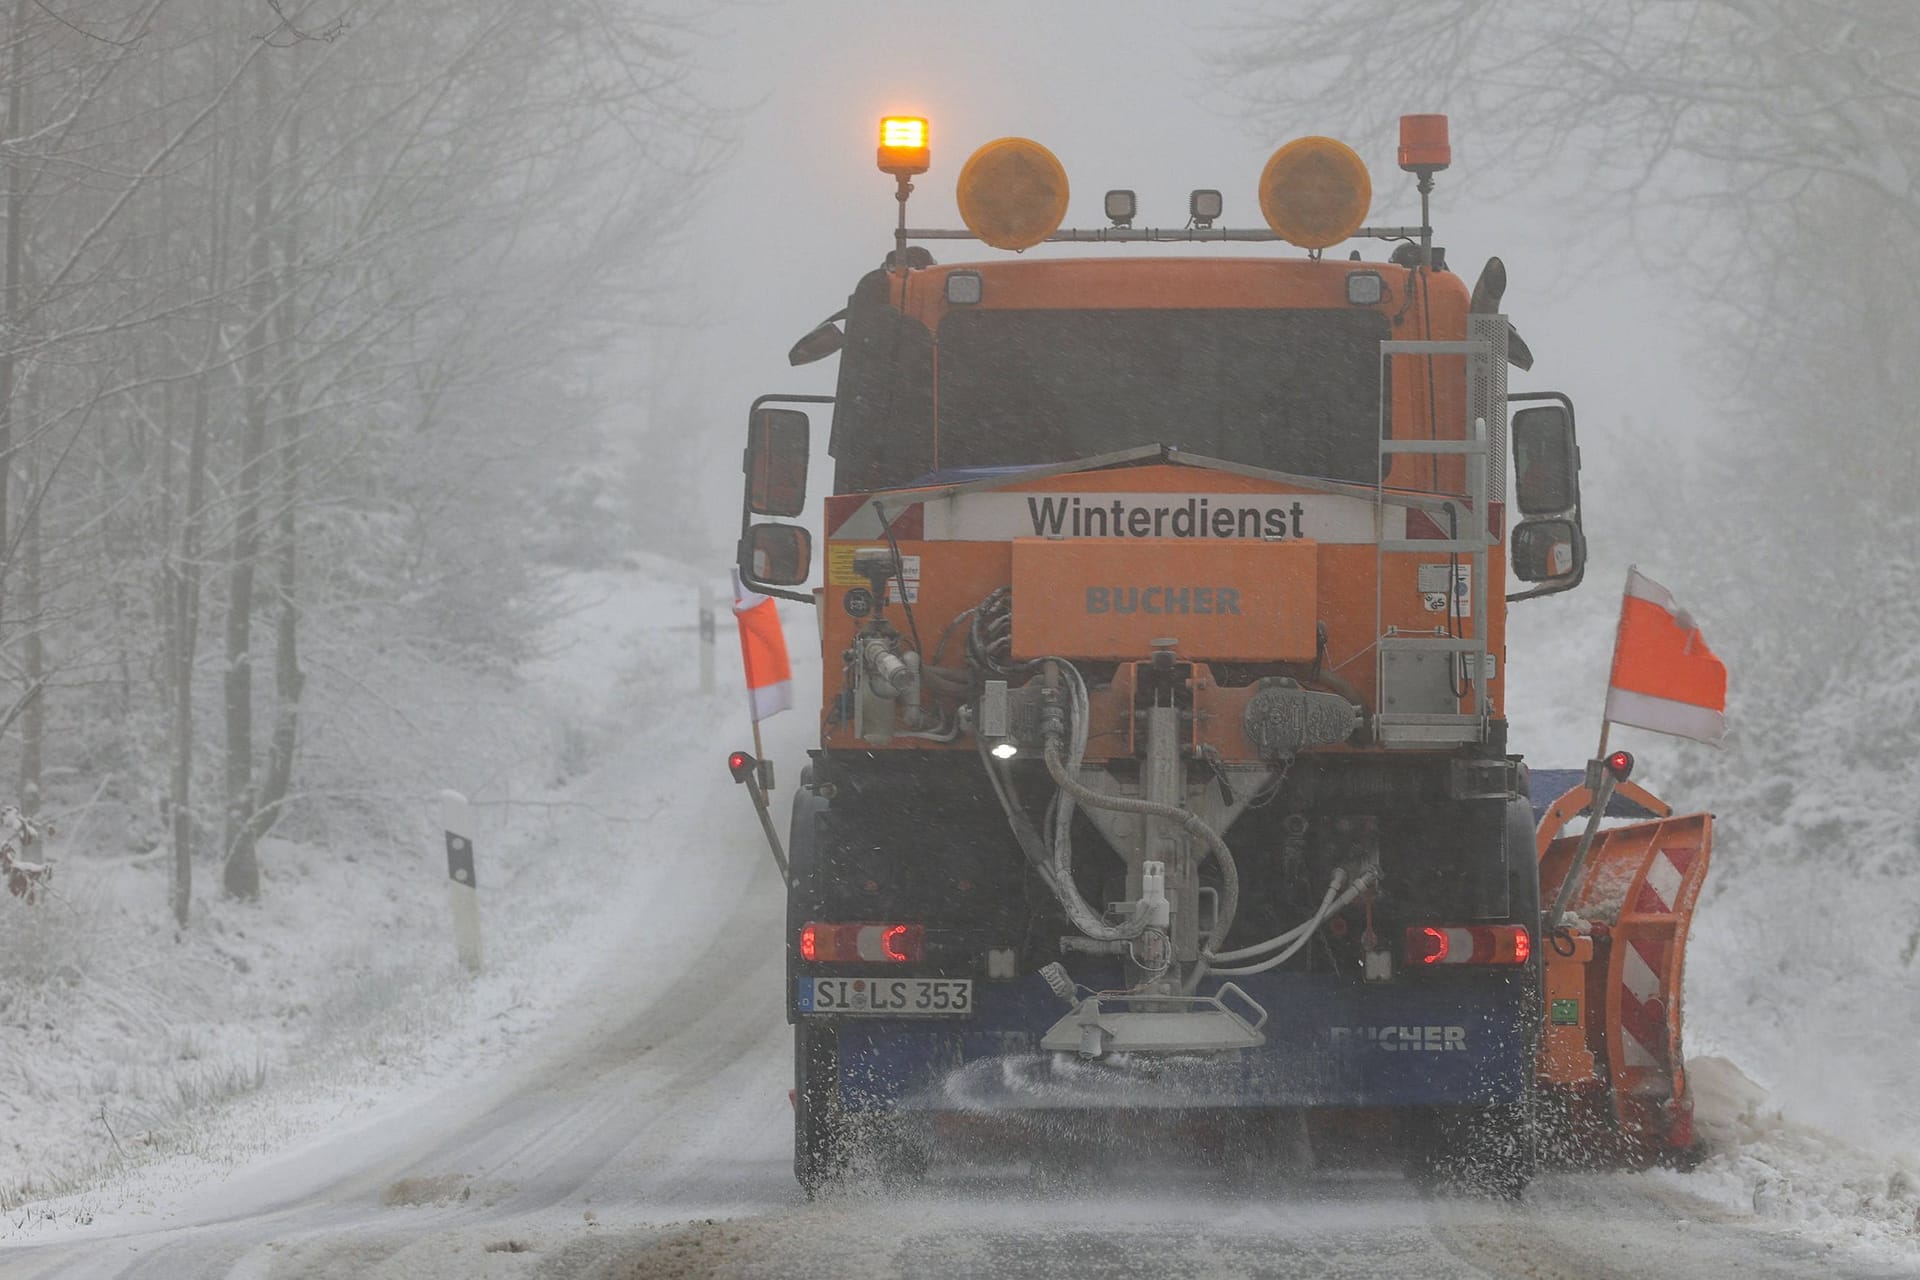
1763, 1163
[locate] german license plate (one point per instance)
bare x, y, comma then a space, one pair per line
887, 997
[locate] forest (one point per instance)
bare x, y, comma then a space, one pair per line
293, 309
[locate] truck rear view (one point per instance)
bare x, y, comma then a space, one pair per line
1163, 771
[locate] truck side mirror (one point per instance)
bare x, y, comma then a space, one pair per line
1546, 461
779, 555
1547, 551
776, 462
1548, 545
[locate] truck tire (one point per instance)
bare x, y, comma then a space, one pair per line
1488, 1151
819, 1139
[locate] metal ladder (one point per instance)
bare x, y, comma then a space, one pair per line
1418, 671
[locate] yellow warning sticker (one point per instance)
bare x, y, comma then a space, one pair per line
840, 564
841, 572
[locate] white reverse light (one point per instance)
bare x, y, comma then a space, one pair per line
1005, 750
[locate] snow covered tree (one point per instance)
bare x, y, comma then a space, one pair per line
1765, 155
294, 299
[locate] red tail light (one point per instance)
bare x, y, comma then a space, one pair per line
882, 943
1469, 944
1428, 945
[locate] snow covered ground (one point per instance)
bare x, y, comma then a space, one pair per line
135, 1065
609, 1097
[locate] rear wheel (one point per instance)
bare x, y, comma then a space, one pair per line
819, 1138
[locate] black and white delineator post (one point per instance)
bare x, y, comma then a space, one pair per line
456, 821
708, 628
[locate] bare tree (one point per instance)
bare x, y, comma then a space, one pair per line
1771, 95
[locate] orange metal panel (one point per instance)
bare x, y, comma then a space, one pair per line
1641, 883
1565, 1058
1242, 601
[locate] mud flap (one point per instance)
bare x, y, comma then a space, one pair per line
1635, 900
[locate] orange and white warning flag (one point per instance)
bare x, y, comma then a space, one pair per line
1664, 676
763, 651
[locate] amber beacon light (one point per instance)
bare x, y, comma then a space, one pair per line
904, 149
1423, 144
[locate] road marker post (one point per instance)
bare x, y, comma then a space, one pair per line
463, 889
707, 630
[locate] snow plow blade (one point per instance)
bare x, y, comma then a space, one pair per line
1611, 1064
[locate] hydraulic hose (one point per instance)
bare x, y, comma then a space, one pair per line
1301, 933
1282, 939
1054, 858
1191, 822
1084, 918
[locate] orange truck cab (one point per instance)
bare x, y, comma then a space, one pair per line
1163, 770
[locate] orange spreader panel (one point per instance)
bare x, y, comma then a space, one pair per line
1230, 601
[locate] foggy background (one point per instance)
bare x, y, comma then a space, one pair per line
352, 349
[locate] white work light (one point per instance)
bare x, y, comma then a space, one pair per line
963, 288
1203, 206
1365, 288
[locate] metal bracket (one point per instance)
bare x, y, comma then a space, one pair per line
1157, 1024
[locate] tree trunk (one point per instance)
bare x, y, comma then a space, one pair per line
185, 572
13, 306
288, 679
242, 873
33, 720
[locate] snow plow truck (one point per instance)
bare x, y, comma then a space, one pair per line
1163, 786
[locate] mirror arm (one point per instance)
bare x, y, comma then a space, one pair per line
1558, 397
778, 592
1550, 588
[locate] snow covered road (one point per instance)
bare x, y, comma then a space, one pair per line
657, 1144
647, 1133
